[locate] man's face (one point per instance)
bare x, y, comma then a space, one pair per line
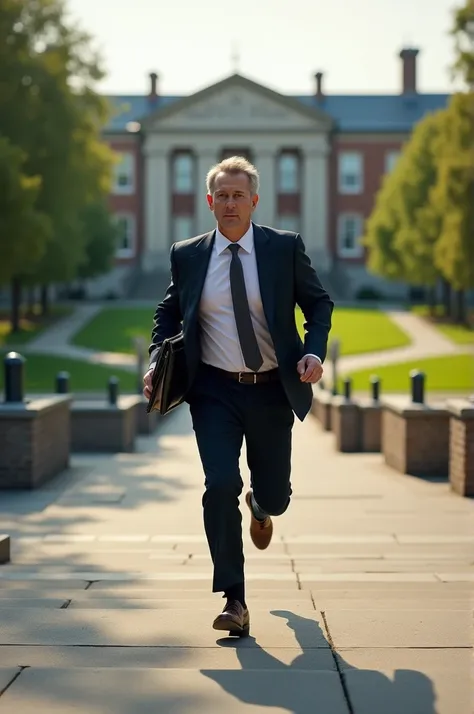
231, 202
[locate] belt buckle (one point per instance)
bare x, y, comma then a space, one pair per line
241, 380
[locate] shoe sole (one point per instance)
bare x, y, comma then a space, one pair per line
232, 628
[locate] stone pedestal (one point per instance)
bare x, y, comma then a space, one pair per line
146, 423
98, 426
370, 413
345, 423
322, 404
461, 446
4, 549
34, 441
415, 437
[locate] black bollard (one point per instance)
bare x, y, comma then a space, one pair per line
417, 386
62, 383
375, 387
14, 377
113, 391
347, 388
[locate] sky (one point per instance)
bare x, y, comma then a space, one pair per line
279, 43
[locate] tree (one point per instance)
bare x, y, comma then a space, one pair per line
463, 32
100, 241
24, 229
48, 68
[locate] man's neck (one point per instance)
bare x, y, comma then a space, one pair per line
234, 236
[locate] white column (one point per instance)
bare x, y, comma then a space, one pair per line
206, 158
315, 206
157, 209
265, 213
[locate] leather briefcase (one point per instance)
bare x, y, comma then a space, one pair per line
170, 376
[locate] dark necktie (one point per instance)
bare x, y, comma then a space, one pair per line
248, 342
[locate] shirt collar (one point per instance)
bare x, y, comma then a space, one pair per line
246, 242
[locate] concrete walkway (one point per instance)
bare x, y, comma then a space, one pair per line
361, 605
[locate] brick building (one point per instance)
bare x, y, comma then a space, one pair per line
321, 158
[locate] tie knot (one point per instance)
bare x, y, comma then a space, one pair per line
234, 248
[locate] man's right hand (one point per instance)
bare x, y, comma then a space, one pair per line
147, 383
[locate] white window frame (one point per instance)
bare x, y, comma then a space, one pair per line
129, 171
349, 189
131, 251
391, 159
295, 189
358, 250
176, 189
189, 234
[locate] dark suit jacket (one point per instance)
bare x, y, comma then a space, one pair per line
286, 279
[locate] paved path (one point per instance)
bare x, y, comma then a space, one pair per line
362, 604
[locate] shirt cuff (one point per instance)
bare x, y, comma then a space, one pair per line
316, 357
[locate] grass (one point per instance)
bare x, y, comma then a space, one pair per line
460, 334
113, 330
362, 330
41, 370
453, 373
30, 325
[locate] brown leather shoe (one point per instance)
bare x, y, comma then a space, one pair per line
234, 618
260, 531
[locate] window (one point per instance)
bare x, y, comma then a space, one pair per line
126, 235
124, 174
391, 158
183, 227
289, 223
288, 173
350, 228
351, 173
183, 173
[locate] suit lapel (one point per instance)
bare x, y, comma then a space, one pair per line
200, 264
264, 256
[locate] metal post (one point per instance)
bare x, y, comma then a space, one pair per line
14, 377
113, 389
140, 346
417, 386
347, 388
62, 383
334, 351
375, 388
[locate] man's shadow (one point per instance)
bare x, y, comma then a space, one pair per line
313, 684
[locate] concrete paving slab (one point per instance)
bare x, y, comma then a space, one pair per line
225, 656
414, 681
153, 627
382, 603
7, 675
465, 577
198, 583
42, 603
387, 592
208, 607
381, 566
407, 628
16, 581
154, 691
187, 593
308, 579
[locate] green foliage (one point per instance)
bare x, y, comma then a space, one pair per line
101, 235
463, 33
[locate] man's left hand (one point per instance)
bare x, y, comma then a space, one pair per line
310, 369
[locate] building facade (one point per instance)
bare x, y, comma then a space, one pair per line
321, 160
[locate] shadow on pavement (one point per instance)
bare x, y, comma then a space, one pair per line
300, 688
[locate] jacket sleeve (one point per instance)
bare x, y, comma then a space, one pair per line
314, 302
167, 320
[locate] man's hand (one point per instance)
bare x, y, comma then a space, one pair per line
310, 369
147, 382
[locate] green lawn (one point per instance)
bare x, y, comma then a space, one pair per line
361, 330
113, 329
457, 333
31, 325
449, 373
41, 370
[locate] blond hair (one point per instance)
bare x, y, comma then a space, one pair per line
234, 165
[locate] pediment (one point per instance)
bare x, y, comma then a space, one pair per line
237, 104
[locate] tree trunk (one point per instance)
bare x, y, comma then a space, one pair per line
460, 311
446, 297
15, 305
44, 300
431, 290
31, 300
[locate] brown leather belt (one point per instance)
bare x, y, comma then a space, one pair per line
271, 375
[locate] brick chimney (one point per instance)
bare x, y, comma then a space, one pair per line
153, 85
319, 85
408, 57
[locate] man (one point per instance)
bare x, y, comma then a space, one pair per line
235, 291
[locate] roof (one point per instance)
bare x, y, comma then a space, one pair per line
351, 113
